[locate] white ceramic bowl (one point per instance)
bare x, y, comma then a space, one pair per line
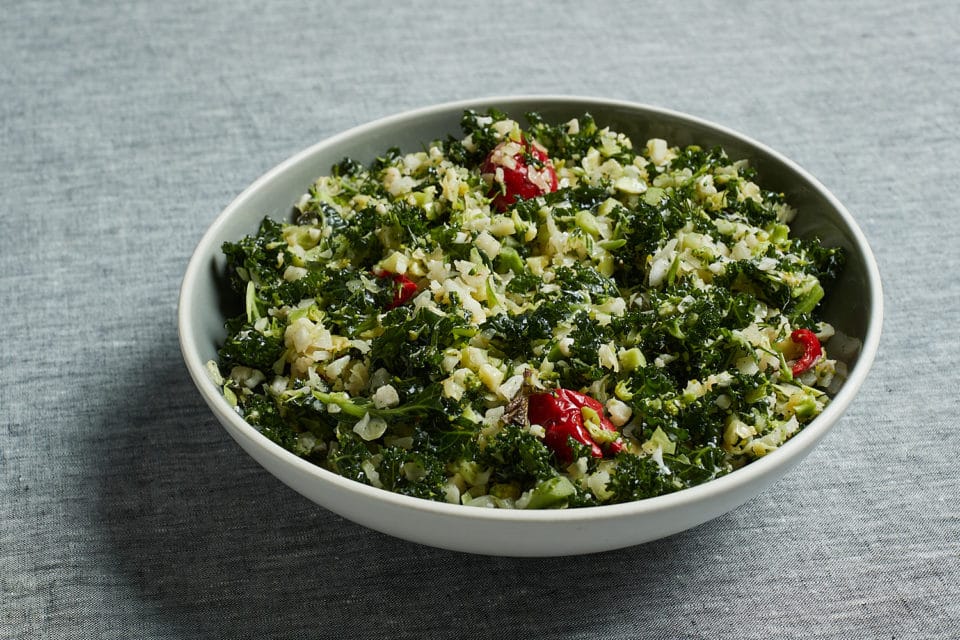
854, 306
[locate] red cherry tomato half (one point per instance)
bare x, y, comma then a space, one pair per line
519, 171
559, 413
403, 288
811, 350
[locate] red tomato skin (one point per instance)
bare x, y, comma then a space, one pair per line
559, 413
521, 181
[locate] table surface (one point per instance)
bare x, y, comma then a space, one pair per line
128, 513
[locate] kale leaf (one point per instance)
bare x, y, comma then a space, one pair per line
249, 347
413, 342
516, 455
518, 335
413, 473
262, 412
255, 257
636, 478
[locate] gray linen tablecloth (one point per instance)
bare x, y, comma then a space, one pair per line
126, 512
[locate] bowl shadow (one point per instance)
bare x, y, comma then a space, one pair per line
214, 544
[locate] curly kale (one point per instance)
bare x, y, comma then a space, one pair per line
524, 282
482, 136
698, 466
354, 179
582, 197
583, 278
637, 478
445, 235
587, 338
650, 381
516, 455
359, 239
748, 209
247, 346
403, 223
745, 276
413, 342
561, 142
262, 412
518, 335
822, 261
699, 160
352, 299
413, 473
643, 230
349, 455
255, 257
682, 209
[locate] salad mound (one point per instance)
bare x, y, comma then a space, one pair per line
531, 317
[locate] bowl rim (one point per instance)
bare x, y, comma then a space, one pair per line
787, 454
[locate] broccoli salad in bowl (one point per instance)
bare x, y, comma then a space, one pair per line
537, 316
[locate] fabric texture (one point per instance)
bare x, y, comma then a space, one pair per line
127, 512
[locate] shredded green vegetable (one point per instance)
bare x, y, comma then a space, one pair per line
661, 281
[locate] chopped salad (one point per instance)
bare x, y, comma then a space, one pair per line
531, 317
